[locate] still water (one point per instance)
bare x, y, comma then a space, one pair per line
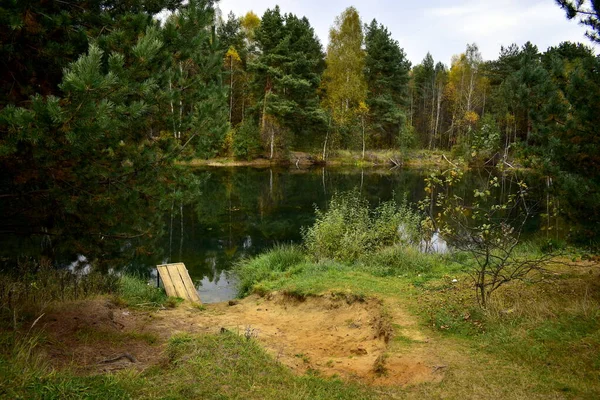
244, 211
238, 212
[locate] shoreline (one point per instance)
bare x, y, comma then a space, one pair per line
373, 159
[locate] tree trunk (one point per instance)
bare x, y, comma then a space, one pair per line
272, 142
483, 109
363, 136
172, 109
412, 95
180, 105
437, 115
431, 123
230, 89
264, 120
326, 138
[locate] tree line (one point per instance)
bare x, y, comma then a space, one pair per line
99, 99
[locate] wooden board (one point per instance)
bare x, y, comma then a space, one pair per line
177, 282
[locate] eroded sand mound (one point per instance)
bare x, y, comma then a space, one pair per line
336, 335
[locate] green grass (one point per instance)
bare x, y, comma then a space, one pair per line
281, 261
551, 330
137, 293
230, 366
388, 272
224, 366
413, 157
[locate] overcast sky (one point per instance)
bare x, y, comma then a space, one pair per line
441, 27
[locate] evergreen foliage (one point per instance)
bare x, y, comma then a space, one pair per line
246, 140
40, 38
589, 15
387, 76
98, 101
286, 77
92, 164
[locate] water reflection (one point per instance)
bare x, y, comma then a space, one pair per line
244, 211
436, 244
241, 212
80, 266
222, 288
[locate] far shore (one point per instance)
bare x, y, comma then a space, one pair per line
372, 159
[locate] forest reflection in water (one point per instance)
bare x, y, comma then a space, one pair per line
234, 213
245, 211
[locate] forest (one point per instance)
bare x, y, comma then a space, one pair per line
99, 100
474, 275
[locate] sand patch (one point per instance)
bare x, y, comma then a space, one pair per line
334, 335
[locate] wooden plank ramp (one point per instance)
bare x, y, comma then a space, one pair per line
177, 282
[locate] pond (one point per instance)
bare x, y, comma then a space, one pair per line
244, 211
238, 212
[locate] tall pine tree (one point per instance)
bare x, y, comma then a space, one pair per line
387, 76
286, 77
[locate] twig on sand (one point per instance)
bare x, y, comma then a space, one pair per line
115, 359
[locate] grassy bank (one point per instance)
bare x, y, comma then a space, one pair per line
221, 366
374, 158
412, 316
536, 341
547, 333
208, 366
537, 338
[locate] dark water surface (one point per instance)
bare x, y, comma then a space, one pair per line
244, 211
241, 212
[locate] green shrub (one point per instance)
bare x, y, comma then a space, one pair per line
246, 140
350, 229
399, 260
486, 140
407, 137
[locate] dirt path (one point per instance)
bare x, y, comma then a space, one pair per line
366, 340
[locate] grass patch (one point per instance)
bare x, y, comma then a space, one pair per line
25, 374
551, 328
137, 293
230, 366
279, 262
404, 260
224, 366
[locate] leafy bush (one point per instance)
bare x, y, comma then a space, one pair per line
350, 229
246, 140
486, 139
397, 260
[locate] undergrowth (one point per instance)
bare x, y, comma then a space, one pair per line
30, 286
351, 228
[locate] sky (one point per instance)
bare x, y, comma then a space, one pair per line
441, 27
